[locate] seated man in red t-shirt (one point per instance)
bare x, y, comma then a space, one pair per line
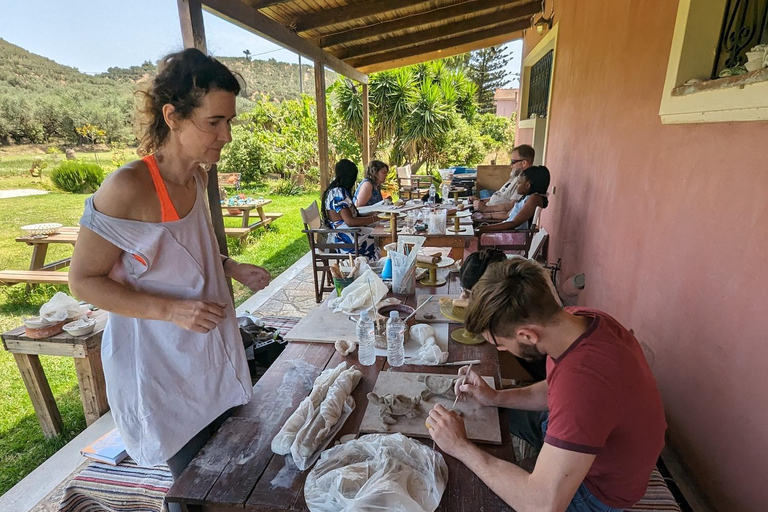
605, 427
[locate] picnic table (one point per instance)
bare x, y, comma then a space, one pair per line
39, 271
86, 351
237, 470
244, 213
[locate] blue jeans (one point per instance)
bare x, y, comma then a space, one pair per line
485, 194
531, 426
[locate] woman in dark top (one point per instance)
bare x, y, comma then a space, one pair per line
369, 190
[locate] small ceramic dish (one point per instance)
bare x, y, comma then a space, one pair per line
80, 327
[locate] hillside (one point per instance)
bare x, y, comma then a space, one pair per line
41, 100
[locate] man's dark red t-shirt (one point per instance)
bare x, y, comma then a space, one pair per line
603, 400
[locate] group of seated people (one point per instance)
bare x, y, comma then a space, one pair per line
594, 413
514, 203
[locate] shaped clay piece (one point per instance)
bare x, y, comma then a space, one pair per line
345, 347
438, 385
392, 406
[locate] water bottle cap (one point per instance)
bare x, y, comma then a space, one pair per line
394, 314
364, 314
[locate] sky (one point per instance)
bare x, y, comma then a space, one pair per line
93, 35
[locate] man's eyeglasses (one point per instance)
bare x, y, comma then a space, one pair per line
513, 162
493, 338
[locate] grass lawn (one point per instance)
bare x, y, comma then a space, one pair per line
22, 445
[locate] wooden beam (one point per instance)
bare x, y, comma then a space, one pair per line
352, 12
474, 24
249, 18
322, 126
192, 28
262, 4
443, 14
441, 49
366, 149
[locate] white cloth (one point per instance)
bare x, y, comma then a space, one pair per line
164, 383
506, 194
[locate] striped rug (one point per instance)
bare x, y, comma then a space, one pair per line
122, 488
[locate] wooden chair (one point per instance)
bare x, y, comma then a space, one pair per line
511, 241
324, 254
411, 186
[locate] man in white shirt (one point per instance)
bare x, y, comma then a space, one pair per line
505, 198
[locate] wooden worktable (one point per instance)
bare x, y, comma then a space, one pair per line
236, 470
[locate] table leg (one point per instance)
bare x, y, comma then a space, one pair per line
39, 251
246, 217
262, 215
40, 393
93, 388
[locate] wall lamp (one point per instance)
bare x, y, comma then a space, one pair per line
542, 24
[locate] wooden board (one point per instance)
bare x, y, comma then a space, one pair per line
482, 423
323, 325
433, 308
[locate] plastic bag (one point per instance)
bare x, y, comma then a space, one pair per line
357, 296
421, 333
60, 307
377, 473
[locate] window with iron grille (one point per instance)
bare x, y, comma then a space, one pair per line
538, 88
745, 24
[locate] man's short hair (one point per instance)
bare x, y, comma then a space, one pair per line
511, 293
526, 152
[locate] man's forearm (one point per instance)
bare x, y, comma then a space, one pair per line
528, 398
511, 483
501, 207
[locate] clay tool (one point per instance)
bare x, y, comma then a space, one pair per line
464, 381
418, 308
460, 363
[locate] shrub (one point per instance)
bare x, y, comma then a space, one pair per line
286, 188
77, 177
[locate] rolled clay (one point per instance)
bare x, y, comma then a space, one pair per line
423, 258
284, 439
460, 303
312, 436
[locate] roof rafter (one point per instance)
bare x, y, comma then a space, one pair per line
262, 4
441, 14
251, 19
440, 49
352, 12
488, 20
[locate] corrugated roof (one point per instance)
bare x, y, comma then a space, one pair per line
506, 94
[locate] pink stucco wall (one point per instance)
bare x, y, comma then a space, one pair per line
670, 226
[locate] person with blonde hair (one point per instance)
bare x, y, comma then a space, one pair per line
173, 356
597, 419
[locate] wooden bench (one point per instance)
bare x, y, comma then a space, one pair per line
229, 179
11, 277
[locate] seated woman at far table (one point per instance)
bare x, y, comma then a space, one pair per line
339, 211
368, 192
532, 186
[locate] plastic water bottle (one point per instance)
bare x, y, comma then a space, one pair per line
395, 338
432, 192
366, 350
445, 190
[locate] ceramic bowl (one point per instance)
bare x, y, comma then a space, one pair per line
44, 229
73, 330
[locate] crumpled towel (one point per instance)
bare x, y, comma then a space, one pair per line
429, 353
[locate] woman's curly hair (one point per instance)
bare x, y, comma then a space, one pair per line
182, 80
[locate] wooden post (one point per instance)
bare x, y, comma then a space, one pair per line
192, 29
366, 128
193, 35
322, 125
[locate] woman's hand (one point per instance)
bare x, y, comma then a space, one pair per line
197, 315
255, 278
473, 386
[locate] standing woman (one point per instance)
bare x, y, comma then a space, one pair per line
173, 357
339, 211
369, 191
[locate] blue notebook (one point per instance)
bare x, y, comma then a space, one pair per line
109, 449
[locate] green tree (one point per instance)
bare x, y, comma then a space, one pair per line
487, 69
